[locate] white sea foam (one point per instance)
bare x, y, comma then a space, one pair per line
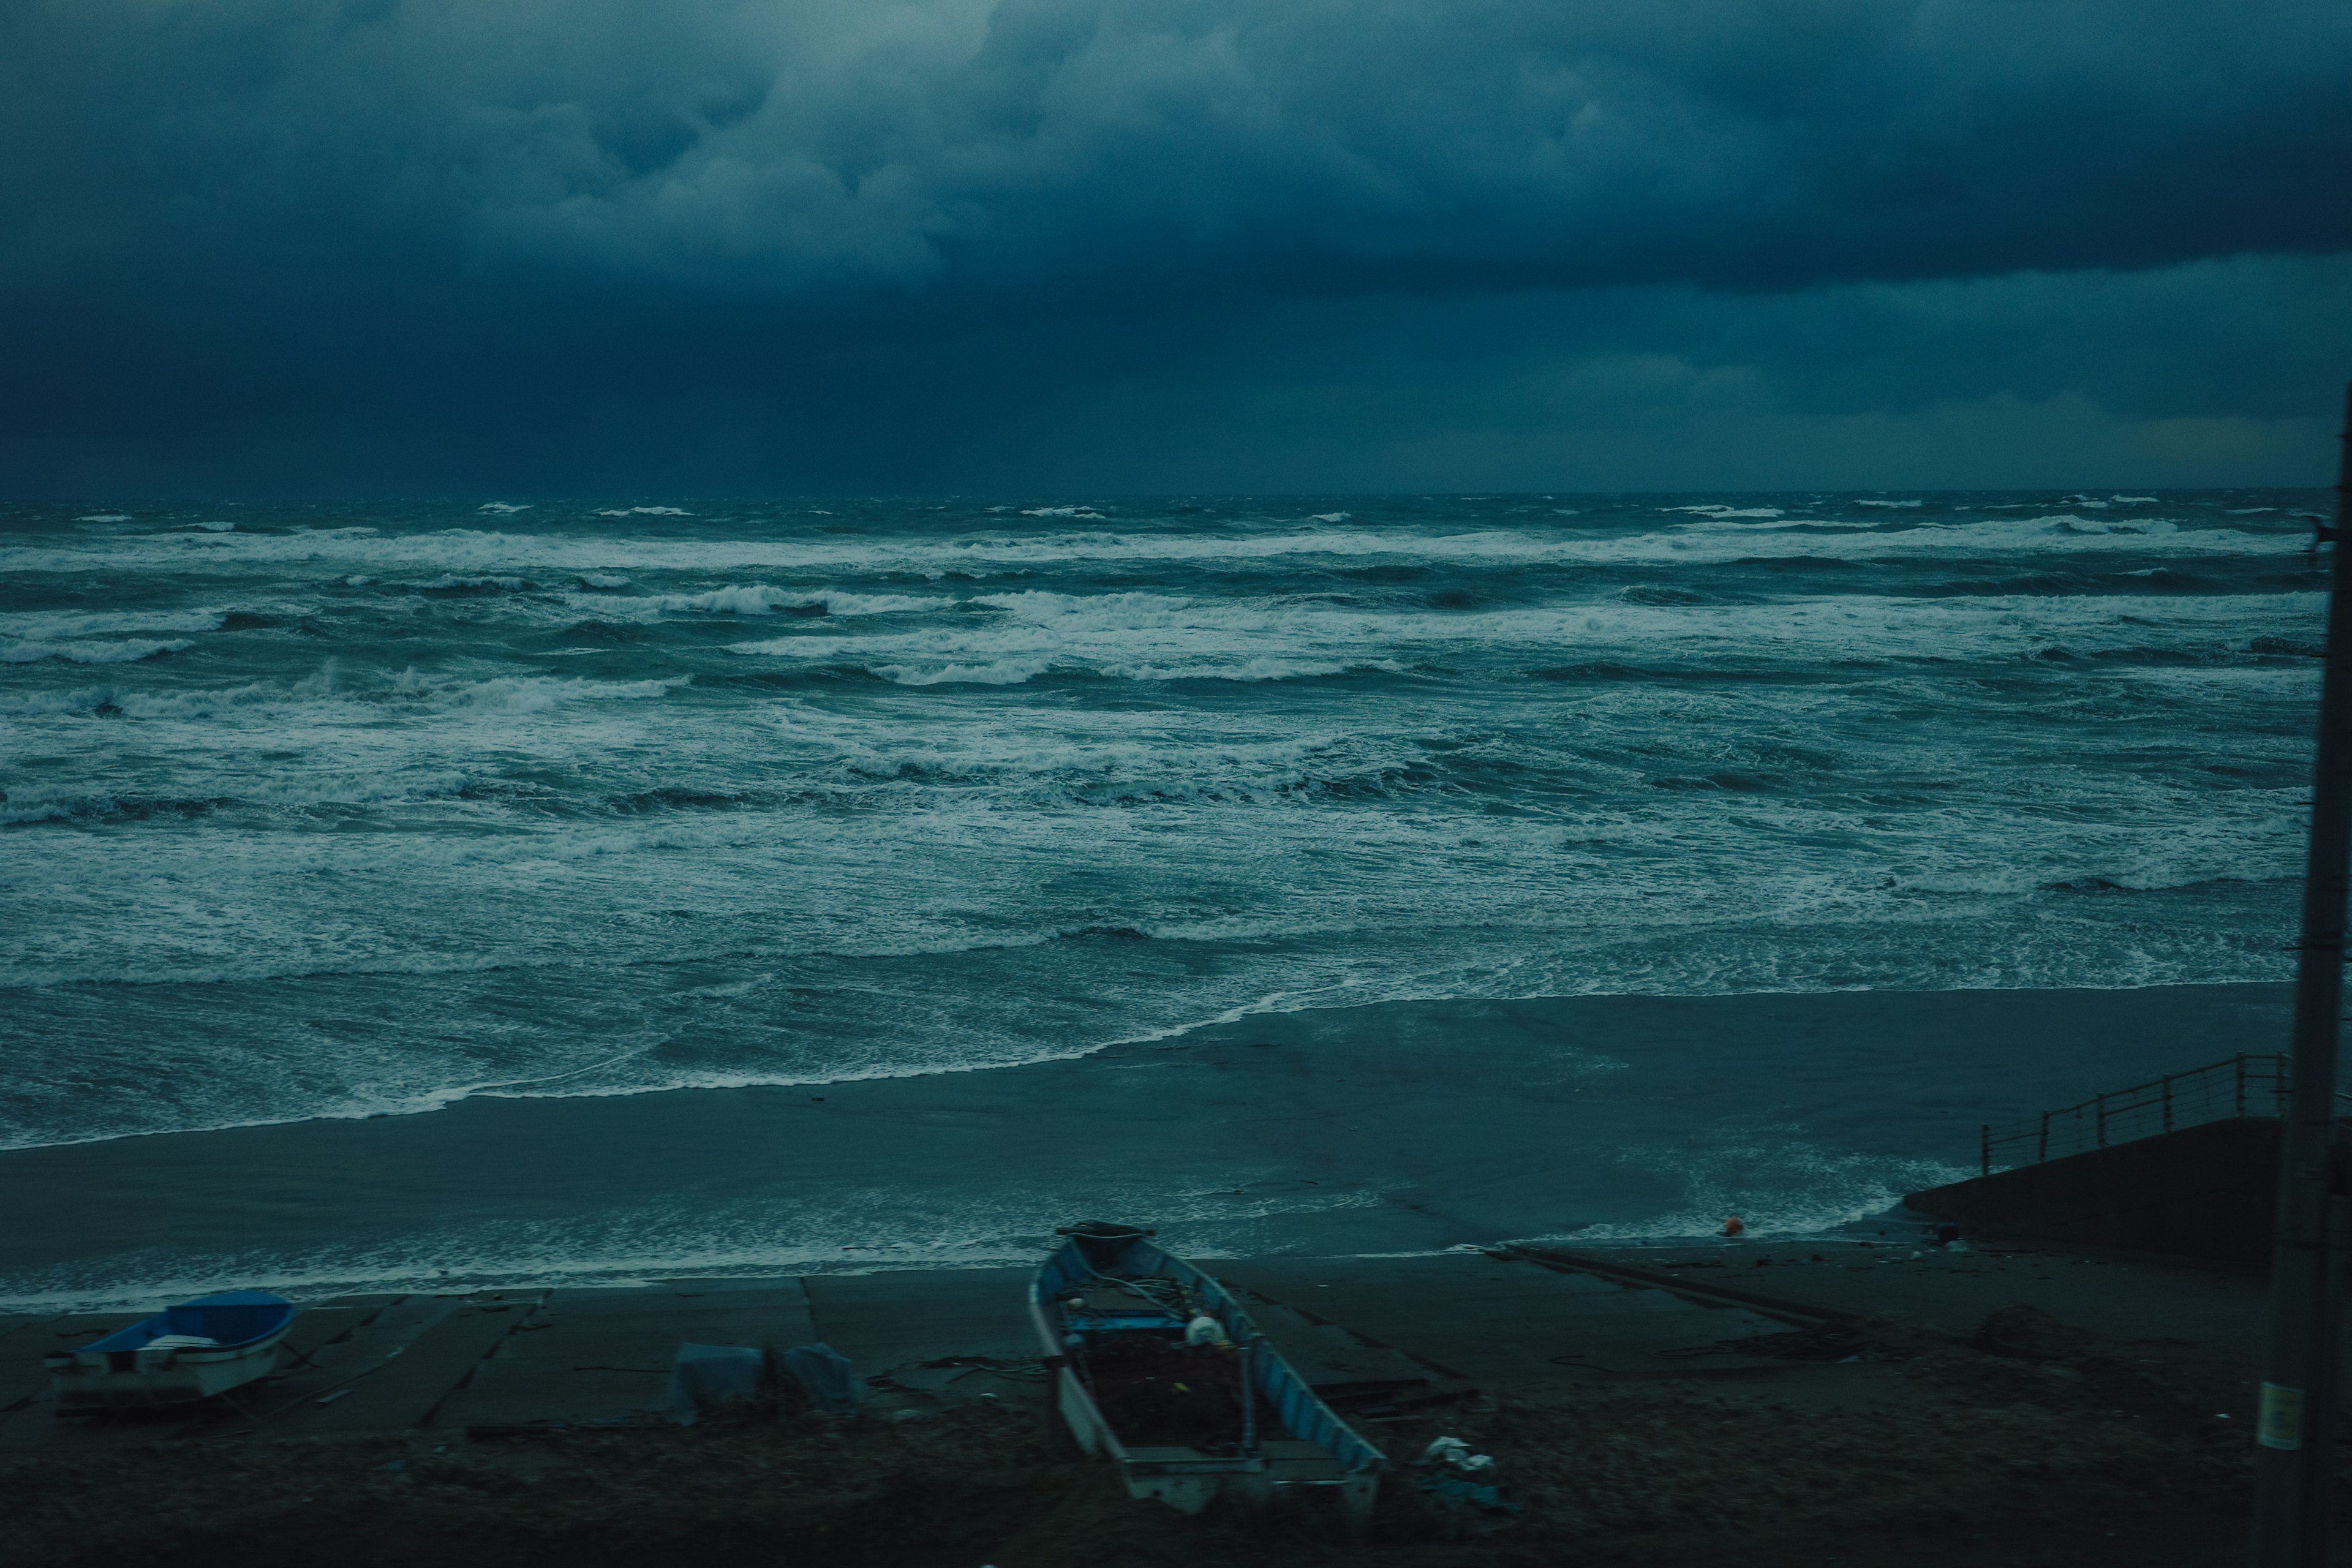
502, 508
1737, 793
1786, 1186
1156, 636
759, 598
1891, 505
756, 599
105, 517
530, 694
448, 580
844, 1229
994, 673
465, 551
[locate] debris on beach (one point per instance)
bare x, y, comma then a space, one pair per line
710, 1378
706, 1377
2028, 1333
826, 1376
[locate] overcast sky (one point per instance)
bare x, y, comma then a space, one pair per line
700, 246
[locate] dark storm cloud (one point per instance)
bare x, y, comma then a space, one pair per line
864, 235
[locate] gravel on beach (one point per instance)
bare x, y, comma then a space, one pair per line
1972, 1458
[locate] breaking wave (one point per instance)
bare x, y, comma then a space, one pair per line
759, 598
781, 794
464, 553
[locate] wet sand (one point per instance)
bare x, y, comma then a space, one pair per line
1396, 1127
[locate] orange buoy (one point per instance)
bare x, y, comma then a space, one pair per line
1733, 1226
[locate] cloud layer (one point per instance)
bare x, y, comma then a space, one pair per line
297, 226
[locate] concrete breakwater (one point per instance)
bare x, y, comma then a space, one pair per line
2208, 1192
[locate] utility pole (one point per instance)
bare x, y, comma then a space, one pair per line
2295, 1430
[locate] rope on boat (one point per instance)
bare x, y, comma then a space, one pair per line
1166, 1294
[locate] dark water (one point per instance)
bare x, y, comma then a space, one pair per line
330, 811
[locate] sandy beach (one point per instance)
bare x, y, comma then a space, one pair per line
1396, 1127
1858, 1401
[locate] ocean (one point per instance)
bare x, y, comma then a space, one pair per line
339, 811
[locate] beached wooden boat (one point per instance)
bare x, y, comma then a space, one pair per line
190, 1351
1189, 1410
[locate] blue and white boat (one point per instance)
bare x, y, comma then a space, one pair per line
1158, 1369
183, 1354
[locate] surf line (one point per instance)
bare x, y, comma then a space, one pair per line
550, 1077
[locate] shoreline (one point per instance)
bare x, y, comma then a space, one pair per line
1388, 1127
443, 1100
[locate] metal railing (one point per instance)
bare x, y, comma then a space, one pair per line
2243, 1084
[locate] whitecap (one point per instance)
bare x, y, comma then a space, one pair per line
502, 508
756, 599
462, 550
1256, 669
1330, 517
998, 673
448, 580
603, 582
105, 517
840, 604
536, 694
759, 598
1891, 505
2132, 500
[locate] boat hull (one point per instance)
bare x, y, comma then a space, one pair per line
1346, 1468
157, 1378
195, 1351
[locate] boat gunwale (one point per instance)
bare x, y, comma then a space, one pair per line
1366, 1462
96, 1355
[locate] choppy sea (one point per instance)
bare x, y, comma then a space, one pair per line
326, 810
